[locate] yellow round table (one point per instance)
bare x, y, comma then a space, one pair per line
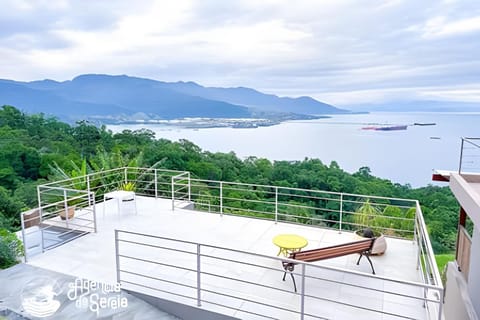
289, 243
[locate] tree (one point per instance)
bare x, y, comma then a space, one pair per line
87, 136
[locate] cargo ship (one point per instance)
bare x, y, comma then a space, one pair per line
387, 128
391, 128
424, 124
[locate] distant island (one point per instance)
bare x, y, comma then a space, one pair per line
107, 99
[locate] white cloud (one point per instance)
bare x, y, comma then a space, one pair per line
469, 93
441, 27
342, 51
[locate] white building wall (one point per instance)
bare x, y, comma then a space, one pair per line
474, 274
458, 305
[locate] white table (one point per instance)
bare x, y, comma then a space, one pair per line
121, 196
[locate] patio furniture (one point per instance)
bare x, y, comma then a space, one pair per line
289, 243
362, 247
120, 195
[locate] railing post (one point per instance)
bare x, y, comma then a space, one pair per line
39, 203
189, 188
341, 213
302, 294
173, 193
415, 224
40, 214
22, 221
441, 295
419, 252
156, 182
461, 157
117, 256
276, 204
221, 197
94, 211
88, 187
65, 204
199, 288
125, 175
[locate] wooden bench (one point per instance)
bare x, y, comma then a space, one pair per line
362, 247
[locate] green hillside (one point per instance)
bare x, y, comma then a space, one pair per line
31, 144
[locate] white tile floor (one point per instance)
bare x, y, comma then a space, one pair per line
93, 257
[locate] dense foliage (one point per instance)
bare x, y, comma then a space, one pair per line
33, 147
11, 248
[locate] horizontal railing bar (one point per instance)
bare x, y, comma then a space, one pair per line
468, 140
242, 262
154, 236
116, 170
160, 290
363, 287
365, 308
157, 263
306, 190
158, 247
249, 300
55, 224
247, 282
158, 279
240, 310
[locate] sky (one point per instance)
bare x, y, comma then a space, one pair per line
342, 52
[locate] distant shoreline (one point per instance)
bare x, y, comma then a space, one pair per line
205, 123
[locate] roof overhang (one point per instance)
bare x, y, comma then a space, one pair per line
441, 175
466, 189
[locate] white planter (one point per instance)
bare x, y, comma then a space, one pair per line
71, 213
379, 246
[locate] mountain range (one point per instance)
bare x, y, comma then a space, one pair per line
112, 97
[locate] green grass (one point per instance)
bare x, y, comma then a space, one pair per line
442, 260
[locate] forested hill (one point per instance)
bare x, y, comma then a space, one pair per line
30, 144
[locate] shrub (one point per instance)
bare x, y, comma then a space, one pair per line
11, 248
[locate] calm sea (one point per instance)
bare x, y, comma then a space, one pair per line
406, 156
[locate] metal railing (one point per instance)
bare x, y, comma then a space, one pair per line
181, 188
66, 208
342, 211
250, 284
62, 215
427, 265
469, 156
147, 181
401, 218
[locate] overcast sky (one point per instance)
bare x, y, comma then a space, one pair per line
339, 51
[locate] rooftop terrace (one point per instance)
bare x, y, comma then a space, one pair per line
208, 244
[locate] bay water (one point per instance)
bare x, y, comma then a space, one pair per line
403, 156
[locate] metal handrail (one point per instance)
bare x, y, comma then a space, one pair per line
475, 146
178, 185
196, 251
48, 212
274, 198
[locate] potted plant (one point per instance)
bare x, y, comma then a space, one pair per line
379, 245
127, 186
69, 210
367, 215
